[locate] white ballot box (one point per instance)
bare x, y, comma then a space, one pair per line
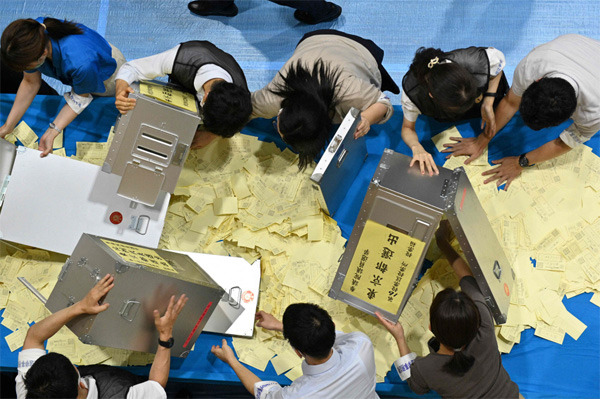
341, 162
152, 141
49, 202
395, 225
145, 279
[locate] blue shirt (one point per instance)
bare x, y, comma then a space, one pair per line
83, 61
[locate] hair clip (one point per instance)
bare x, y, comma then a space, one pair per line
432, 62
43, 25
457, 349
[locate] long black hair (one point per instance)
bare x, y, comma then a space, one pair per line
451, 85
309, 97
455, 320
24, 40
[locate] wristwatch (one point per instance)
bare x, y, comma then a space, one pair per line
523, 161
166, 344
53, 127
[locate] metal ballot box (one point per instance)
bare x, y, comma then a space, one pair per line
340, 163
145, 279
395, 225
76, 197
152, 141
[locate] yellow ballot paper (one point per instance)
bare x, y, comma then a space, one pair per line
382, 266
169, 95
141, 256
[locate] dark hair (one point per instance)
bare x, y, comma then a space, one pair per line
24, 40
454, 320
227, 109
308, 99
547, 102
52, 376
451, 85
309, 329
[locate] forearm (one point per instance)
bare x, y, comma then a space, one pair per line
504, 113
247, 377
409, 135
25, 95
46, 328
460, 267
550, 150
65, 117
402, 345
493, 84
159, 371
375, 112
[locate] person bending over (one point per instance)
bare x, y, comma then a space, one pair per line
200, 68
72, 53
335, 365
329, 73
461, 84
556, 81
52, 375
464, 360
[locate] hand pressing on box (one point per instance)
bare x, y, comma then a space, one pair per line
122, 100
268, 321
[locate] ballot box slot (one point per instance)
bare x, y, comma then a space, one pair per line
155, 138
152, 152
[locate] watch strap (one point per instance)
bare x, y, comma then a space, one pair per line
523, 161
53, 127
167, 344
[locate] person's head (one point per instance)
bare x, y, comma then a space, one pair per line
25, 42
52, 376
450, 85
547, 102
304, 121
309, 329
454, 321
227, 109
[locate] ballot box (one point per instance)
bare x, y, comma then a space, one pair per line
396, 223
152, 141
341, 163
145, 279
49, 202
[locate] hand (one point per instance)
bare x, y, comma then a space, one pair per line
425, 160
488, 117
90, 304
165, 324
395, 329
202, 138
507, 171
122, 100
47, 142
471, 146
443, 234
363, 127
224, 352
4, 131
268, 321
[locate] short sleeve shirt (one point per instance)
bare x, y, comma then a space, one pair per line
83, 61
348, 374
27, 357
573, 58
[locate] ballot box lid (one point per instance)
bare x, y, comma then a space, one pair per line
7, 158
341, 162
398, 218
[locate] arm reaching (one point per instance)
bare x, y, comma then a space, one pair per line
268, 321
442, 238
225, 353
90, 304
159, 371
27, 91
425, 160
374, 114
122, 100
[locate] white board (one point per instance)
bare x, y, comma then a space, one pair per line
51, 201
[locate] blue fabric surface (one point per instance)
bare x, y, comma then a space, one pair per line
541, 368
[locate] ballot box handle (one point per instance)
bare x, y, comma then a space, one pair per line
235, 296
129, 309
342, 157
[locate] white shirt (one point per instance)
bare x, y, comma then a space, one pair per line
574, 58
161, 64
497, 64
349, 373
146, 390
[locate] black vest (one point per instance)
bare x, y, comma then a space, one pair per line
112, 382
194, 54
475, 60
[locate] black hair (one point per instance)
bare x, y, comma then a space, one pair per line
309, 97
451, 85
309, 329
52, 376
455, 320
24, 40
227, 109
547, 102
